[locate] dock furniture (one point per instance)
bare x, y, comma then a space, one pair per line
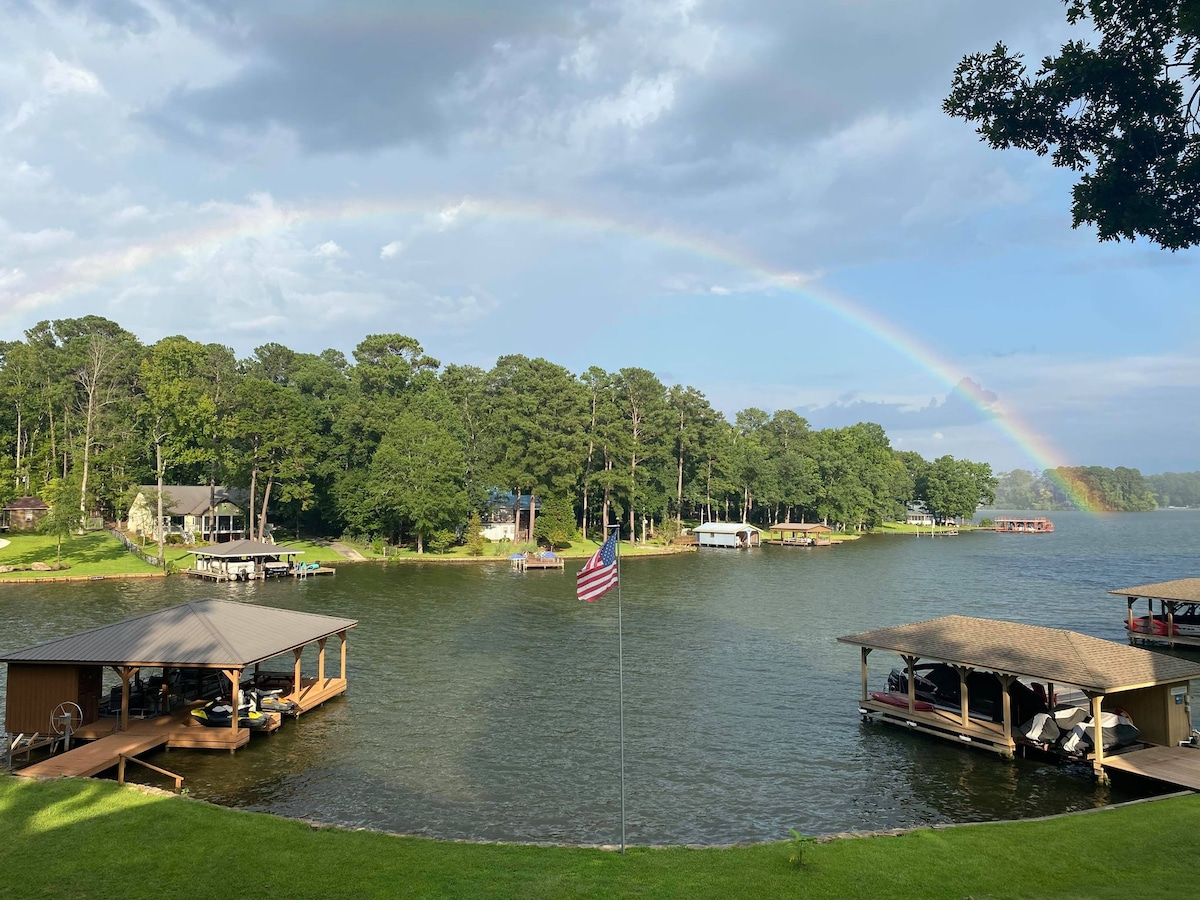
732, 535
799, 534
195, 648
1151, 687
1177, 619
523, 562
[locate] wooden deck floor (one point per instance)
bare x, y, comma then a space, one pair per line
1174, 765
314, 693
941, 724
94, 757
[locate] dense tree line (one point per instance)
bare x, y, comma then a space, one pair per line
1111, 490
392, 443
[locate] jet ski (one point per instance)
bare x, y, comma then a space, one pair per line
271, 701
216, 714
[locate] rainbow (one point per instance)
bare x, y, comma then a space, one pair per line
264, 216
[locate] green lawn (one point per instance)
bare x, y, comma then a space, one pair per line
95, 553
80, 838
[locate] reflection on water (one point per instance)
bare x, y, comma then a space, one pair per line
483, 703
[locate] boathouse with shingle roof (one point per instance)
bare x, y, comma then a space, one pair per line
1151, 687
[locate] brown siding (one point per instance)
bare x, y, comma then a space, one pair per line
34, 692
1155, 713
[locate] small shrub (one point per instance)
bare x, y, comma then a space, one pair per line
441, 541
799, 845
173, 540
475, 538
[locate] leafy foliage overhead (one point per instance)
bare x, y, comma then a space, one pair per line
1124, 113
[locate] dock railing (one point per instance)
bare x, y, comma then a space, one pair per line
123, 758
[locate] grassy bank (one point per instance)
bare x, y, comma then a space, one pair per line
499, 550
81, 838
91, 554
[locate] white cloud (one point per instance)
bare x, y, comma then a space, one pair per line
329, 250
390, 250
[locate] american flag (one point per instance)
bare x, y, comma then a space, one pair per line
600, 572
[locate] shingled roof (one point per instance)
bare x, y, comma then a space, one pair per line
192, 499
1185, 590
201, 634
1046, 654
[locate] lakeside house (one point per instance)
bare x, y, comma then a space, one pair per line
23, 514
920, 516
505, 518
189, 511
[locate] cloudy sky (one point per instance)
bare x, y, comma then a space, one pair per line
761, 199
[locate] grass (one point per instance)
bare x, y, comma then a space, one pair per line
86, 838
94, 553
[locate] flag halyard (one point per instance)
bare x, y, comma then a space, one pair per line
599, 574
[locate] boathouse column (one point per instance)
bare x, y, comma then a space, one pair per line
1129, 601
1006, 705
126, 674
866, 651
963, 696
297, 653
235, 689
1098, 739
321, 660
1170, 610
911, 662
342, 635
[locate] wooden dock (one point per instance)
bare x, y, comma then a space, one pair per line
1179, 766
524, 564
314, 692
177, 730
944, 724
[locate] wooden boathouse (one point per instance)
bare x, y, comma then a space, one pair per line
1176, 622
167, 663
799, 534
734, 535
1151, 687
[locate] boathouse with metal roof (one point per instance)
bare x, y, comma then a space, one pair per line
204, 639
1151, 687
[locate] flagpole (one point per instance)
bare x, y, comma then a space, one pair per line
621, 679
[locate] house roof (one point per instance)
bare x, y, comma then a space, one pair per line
244, 548
1186, 590
723, 528
499, 498
35, 503
192, 499
800, 526
1047, 654
203, 634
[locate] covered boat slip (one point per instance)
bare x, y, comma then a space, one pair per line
799, 534
1176, 622
1152, 688
247, 560
197, 649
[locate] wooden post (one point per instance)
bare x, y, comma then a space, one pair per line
235, 690
866, 651
911, 662
121, 769
1129, 601
1098, 739
321, 660
963, 697
298, 652
1006, 705
126, 673
342, 635
1170, 610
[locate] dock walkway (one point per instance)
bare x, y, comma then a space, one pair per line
94, 757
1179, 766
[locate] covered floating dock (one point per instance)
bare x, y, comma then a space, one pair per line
734, 535
191, 647
1010, 525
247, 560
1151, 687
1177, 620
799, 534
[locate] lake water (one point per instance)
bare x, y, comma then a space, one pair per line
483, 703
